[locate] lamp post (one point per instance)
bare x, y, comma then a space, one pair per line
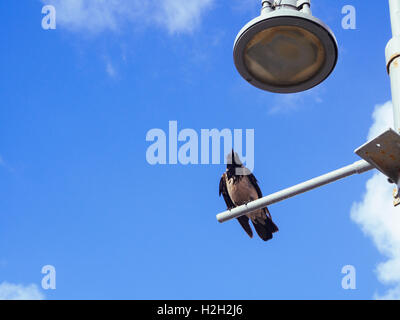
392, 60
281, 34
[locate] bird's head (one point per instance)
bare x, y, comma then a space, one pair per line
233, 162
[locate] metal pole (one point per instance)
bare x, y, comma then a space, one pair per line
393, 60
357, 167
395, 16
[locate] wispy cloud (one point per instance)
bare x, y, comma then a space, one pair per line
10, 291
4, 164
110, 70
377, 216
177, 16
287, 103
383, 120
181, 15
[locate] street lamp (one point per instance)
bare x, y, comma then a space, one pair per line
381, 153
285, 49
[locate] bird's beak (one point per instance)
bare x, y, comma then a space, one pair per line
231, 158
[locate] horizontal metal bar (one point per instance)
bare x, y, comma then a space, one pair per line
357, 167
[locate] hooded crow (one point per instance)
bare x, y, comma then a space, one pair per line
239, 186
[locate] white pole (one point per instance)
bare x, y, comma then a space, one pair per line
395, 16
357, 167
393, 60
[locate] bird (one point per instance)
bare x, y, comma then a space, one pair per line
239, 186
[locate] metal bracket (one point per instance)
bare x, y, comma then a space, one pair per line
301, 3
383, 153
392, 52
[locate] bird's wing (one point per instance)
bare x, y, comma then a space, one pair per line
244, 221
254, 183
223, 190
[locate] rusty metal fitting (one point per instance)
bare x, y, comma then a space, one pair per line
392, 52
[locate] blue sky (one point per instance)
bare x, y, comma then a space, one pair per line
77, 193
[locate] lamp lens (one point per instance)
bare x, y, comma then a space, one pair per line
284, 55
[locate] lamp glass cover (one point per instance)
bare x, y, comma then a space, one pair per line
284, 55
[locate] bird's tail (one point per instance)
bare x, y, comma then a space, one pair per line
265, 228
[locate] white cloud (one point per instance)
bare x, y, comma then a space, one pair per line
288, 103
392, 294
377, 216
182, 15
383, 120
99, 15
9, 291
110, 70
5, 165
